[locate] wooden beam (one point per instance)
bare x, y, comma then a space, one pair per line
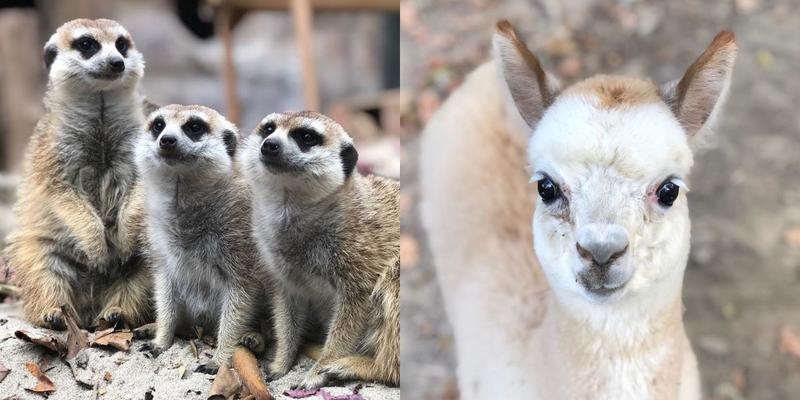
223, 25
322, 5
303, 22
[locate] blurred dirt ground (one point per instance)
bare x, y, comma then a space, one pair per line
741, 288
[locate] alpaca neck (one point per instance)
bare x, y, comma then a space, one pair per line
618, 351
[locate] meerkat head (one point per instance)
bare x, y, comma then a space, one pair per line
611, 156
187, 141
299, 151
98, 54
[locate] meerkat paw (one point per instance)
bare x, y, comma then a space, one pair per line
151, 349
253, 341
113, 316
210, 368
54, 319
147, 331
277, 369
314, 379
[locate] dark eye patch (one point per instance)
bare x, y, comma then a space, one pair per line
157, 126
86, 45
122, 45
306, 138
195, 128
268, 128
50, 54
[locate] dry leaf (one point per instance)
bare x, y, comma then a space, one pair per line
49, 342
107, 377
76, 338
101, 391
43, 383
193, 347
225, 384
790, 343
4, 371
119, 340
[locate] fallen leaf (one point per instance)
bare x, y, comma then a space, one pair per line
101, 391
327, 396
43, 383
790, 343
226, 384
107, 377
4, 371
300, 393
49, 342
76, 338
183, 372
193, 347
119, 340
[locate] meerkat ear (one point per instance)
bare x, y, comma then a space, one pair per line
531, 88
229, 138
349, 157
50, 53
697, 97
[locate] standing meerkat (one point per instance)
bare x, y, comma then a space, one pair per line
78, 207
332, 239
197, 210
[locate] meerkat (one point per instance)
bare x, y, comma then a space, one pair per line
79, 207
197, 217
331, 240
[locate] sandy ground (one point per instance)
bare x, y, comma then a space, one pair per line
132, 374
741, 287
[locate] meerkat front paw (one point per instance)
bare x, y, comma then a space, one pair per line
54, 319
253, 341
314, 379
151, 349
147, 331
210, 368
277, 369
113, 316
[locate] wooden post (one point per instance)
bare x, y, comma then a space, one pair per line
223, 24
303, 22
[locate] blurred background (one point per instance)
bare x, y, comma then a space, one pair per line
741, 287
245, 58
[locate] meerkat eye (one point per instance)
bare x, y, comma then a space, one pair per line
86, 45
306, 138
122, 46
195, 128
548, 190
157, 126
268, 128
667, 193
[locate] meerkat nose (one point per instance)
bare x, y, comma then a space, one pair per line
270, 147
117, 65
167, 142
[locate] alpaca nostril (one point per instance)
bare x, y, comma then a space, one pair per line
602, 253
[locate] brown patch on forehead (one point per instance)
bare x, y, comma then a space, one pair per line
102, 30
290, 120
616, 91
183, 112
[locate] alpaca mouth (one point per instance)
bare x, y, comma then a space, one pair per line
600, 289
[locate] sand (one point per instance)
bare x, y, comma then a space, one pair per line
132, 375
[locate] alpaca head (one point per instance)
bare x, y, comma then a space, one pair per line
611, 157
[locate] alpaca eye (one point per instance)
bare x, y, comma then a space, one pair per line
548, 190
667, 193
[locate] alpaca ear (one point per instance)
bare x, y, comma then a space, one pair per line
531, 88
697, 97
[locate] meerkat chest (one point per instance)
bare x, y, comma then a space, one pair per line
97, 158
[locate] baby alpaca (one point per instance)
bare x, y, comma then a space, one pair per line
600, 315
79, 208
331, 237
205, 263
